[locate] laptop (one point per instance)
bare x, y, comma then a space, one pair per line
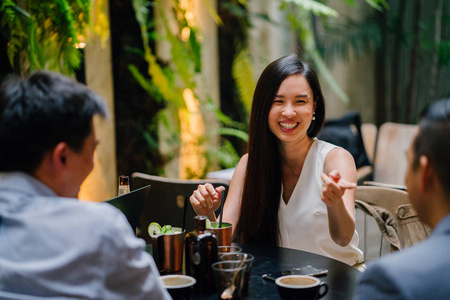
131, 204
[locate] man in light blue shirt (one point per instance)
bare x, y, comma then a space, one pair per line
53, 246
421, 271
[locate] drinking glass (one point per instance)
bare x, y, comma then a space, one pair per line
248, 263
226, 275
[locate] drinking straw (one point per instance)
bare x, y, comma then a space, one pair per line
186, 199
221, 208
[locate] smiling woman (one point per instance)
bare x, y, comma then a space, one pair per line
290, 189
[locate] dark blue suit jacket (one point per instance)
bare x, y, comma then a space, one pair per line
421, 271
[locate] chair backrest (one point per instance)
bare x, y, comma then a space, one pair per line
394, 215
165, 204
390, 155
369, 133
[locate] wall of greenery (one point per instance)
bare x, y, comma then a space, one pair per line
164, 81
410, 41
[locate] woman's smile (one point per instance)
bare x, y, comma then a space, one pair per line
288, 126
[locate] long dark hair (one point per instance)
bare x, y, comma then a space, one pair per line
258, 220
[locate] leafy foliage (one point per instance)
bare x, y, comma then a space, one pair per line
243, 75
300, 19
43, 34
315, 7
299, 14
338, 40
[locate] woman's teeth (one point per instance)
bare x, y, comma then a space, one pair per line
288, 125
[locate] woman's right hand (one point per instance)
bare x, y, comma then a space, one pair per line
206, 200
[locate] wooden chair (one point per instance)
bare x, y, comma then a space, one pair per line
165, 204
394, 216
369, 133
390, 155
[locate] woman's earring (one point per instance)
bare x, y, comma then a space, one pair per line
314, 116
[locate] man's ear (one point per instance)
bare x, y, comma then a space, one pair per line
59, 155
426, 173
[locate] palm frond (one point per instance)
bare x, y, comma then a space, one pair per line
315, 7
378, 4
339, 40
300, 20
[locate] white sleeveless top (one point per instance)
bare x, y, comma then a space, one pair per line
303, 221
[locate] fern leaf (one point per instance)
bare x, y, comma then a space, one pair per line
243, 75
228, 156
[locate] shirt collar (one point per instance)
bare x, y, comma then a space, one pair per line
24, 183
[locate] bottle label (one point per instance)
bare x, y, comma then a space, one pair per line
196, 259
123, 189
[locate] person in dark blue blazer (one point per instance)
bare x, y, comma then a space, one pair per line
421, 271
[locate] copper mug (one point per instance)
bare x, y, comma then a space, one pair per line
224, 234
168, 251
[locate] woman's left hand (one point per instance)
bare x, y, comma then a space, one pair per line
334, 187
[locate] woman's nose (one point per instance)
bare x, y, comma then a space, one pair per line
288, 111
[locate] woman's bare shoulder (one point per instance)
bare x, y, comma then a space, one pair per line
339, 158
242, 165
244, 159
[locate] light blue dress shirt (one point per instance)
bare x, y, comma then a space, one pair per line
416, 273
59, 248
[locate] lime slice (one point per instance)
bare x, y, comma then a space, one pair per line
208, 224
154, 229
166, 229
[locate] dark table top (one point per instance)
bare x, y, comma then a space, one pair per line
341, 278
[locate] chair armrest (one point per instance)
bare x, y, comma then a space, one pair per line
385, 185
364, 173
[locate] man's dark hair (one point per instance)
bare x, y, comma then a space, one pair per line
433, 140
38, 112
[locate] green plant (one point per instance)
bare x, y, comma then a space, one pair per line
43, 34
411, 44
167, 80
172, 82
300, 14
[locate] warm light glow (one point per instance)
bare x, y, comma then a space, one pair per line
188, 7
192, 153
81, 42
185, 33
191, 102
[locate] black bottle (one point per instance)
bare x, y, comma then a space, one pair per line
200, 254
